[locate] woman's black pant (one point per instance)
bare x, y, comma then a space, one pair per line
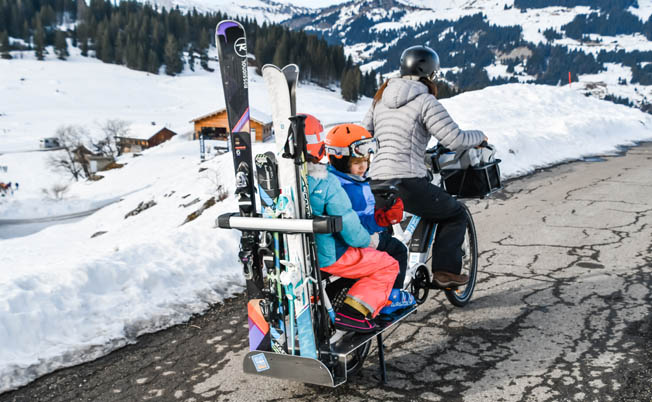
397, 250
430, 202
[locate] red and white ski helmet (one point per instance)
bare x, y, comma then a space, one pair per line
314, 136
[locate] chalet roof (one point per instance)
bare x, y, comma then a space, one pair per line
254, 114
145, 131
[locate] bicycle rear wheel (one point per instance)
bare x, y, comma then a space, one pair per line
461, 296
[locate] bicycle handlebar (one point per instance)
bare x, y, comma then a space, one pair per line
442, 149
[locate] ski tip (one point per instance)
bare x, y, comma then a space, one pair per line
270, 67
291, 67
222, 26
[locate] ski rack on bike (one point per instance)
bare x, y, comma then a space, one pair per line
330, 368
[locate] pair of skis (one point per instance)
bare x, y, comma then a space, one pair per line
285, 194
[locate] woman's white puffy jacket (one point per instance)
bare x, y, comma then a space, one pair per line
403, 121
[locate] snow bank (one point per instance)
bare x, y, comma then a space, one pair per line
537, 125
74, 292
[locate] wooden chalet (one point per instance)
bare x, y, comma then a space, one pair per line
215, 125
143, 137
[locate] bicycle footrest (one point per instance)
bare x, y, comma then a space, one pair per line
351, 341
288, 367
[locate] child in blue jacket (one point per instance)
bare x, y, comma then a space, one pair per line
348, 147
347, 253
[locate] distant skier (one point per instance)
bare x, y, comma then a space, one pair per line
404, 115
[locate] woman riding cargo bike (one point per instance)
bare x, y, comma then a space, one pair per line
404, 115
320, 284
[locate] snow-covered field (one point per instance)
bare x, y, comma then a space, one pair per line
72, 292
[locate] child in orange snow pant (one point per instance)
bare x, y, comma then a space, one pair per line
376, 272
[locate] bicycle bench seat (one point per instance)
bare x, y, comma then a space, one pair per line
385, 191
385, 186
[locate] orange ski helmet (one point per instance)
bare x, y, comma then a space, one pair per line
314, 136
350, 140
346, 141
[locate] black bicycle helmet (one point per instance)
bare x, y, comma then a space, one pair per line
419, 60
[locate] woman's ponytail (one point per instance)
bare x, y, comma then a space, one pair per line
432, 87
379, 93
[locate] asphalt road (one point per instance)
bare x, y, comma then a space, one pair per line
562, 312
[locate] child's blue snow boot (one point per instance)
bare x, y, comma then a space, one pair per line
400, 300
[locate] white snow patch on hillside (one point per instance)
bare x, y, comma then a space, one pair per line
497, 71
643, 11
608, 83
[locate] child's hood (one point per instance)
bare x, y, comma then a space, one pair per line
317, 171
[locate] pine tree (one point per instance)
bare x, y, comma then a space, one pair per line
120, 48
27, 36
281, 54
647, 28
84, 47
4, 45
191, 61
152, 62
351, 84
173, 62
132, 53
368, 85
39, 40
81, 33
60, 45
204, 44
47, 16
142, 58
106, 51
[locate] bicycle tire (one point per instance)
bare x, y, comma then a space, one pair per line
461, 296
357, 359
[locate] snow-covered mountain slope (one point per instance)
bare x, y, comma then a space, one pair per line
494, 34
334, 17
397, 15
374, 32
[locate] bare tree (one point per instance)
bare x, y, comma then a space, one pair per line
56, 192
216, 186
71, 158
106, 145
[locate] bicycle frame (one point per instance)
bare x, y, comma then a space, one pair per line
418, 249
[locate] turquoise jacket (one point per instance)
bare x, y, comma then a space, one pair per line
327, 198
362, 199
